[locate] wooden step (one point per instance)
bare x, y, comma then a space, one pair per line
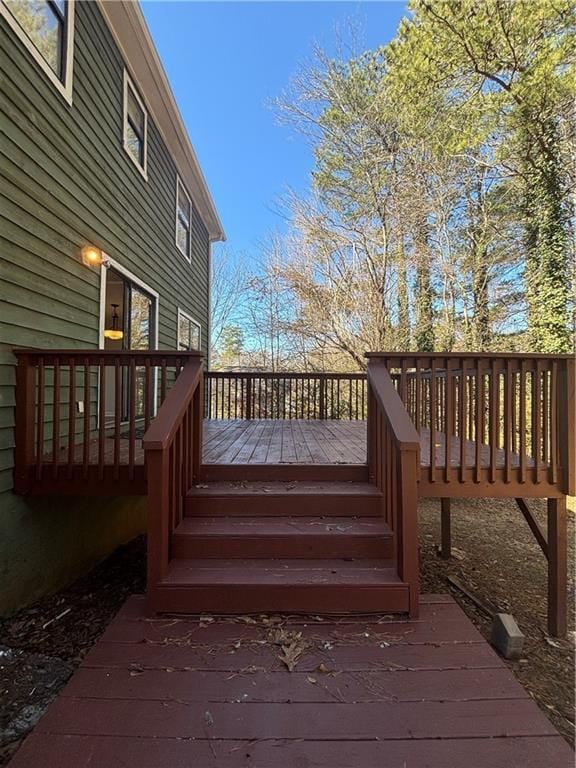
282, 537
357, 473
281, 585
293, 498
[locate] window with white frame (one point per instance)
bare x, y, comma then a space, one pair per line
189, 335
183, 220
46, 27
135, 126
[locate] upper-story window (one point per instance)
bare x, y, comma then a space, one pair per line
183, 220
135, 126
189, 334
46, 27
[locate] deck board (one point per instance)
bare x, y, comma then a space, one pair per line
174, 692
301, 441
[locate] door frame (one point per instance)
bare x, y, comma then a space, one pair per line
107, 262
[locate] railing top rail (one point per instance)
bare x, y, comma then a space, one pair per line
285, 375
161, 431
468, 355
405, 432
154, 354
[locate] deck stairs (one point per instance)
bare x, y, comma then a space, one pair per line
282, 539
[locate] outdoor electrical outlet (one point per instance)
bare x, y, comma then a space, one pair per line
80, 404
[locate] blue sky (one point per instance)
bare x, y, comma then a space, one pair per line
225, 62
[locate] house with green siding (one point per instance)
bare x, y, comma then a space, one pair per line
106, 228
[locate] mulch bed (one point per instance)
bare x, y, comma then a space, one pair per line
495, 558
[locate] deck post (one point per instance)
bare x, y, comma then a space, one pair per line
24, 422
446, 529
557, 568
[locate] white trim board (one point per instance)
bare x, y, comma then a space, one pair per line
109, 262
63, 88
181, 313
128, 83
180, 187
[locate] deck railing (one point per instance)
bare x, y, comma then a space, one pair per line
255, 395
81, 414
491, 417
173, 448
394, 466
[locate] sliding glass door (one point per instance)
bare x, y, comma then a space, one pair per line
129, 324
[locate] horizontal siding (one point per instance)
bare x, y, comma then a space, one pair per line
66, 181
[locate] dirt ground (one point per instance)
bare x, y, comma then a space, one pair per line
495, 558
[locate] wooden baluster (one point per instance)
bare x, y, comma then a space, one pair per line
417, 396
493, 414
56, 419
71, 418
513, 413
433, 414
553, 469
163, 365
479, 420
197, 434
507, 421
565, 425
463, 404
449, 419
102, 418
132, 418
117, 414
536, 421
522, 422
249, 382
41, 418
545, 419
322, 398
147, 393
86, 425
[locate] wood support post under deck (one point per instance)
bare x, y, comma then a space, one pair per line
446, 529
557, 568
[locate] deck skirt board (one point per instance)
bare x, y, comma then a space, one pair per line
189, 691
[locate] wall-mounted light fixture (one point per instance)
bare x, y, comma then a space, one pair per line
93, 257
114, 333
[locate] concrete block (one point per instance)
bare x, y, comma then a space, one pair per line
506, 636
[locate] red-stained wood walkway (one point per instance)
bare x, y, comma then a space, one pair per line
366, 692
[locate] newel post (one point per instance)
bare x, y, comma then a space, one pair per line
370, 415
197, 428
409, 469
566, 425
157, 471
24, 422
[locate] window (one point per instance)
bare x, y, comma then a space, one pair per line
135, 126
46, 27
183, 220
189, 336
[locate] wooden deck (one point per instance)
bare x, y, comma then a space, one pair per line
301, 441
365, 692
294, 441
297, 441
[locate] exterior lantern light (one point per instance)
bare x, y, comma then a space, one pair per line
114, 333
91, 256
